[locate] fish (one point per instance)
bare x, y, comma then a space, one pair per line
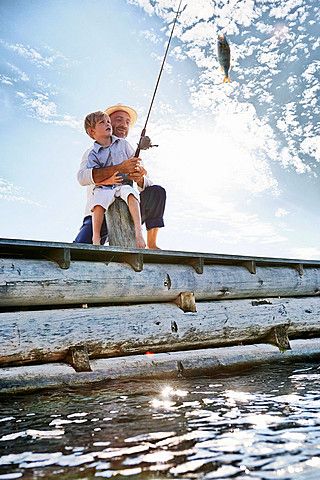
224, 56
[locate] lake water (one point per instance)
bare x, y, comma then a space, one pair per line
260, 424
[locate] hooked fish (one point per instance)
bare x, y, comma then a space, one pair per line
224, 56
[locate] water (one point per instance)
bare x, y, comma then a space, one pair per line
261, 424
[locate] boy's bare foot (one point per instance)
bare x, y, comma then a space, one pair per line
140, 243
96, 240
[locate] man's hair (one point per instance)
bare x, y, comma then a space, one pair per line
92, 119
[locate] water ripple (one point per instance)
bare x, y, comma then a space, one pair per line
263, 424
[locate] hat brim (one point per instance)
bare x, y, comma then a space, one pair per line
123, 108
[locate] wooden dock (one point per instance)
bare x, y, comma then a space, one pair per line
85, 309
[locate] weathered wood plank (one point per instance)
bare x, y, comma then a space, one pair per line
42, 336
211, 361
41, 282
40, 249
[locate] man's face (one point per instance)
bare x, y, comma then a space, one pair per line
120, 122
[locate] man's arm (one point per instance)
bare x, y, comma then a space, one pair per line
88, 176
84, 174
127, 166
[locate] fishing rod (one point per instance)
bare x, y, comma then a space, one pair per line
145, 142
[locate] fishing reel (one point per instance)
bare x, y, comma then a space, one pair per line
145, 143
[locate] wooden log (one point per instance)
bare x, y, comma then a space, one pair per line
40, 282
211, 361
43, 336
120, 225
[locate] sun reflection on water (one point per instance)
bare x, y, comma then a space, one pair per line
182, 429
167, 395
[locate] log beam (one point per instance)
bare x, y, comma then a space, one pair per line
29, 282
211, 361
43, 336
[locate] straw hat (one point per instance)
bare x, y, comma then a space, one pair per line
119, 107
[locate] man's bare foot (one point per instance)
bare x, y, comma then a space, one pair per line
96, 240
152, 235
153, 247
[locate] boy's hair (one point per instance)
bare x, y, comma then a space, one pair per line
92, 119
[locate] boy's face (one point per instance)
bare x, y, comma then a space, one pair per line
102, 129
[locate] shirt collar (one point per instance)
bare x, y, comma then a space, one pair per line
97, 146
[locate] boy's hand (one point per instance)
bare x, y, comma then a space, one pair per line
129, 166
115, 179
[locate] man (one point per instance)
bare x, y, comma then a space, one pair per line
152, 197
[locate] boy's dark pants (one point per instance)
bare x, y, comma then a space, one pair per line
152, 205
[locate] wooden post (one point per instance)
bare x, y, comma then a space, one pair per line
120, 225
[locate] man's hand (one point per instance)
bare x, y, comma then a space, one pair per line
129, 166
138, 174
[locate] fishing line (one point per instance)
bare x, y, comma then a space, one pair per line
142, 145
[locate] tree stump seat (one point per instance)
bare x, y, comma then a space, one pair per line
120, 225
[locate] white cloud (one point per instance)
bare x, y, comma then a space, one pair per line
20, 74
312, 253
6, 80
8, 191
225, 222
283, 10
167, 67
275, 40
31, 54
43, 109
150, 35
311, 146
281, 212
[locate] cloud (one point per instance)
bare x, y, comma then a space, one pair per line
167, 67
150, 35
43, 109
29, 53
267, 44
312, 147
226, 224
20, 74
281, 212
6, 80
8, 191
312, 253
35, 93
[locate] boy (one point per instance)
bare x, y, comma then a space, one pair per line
108, 150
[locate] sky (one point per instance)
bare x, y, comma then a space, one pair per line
240, 162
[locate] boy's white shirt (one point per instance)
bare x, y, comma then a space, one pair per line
85, 179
